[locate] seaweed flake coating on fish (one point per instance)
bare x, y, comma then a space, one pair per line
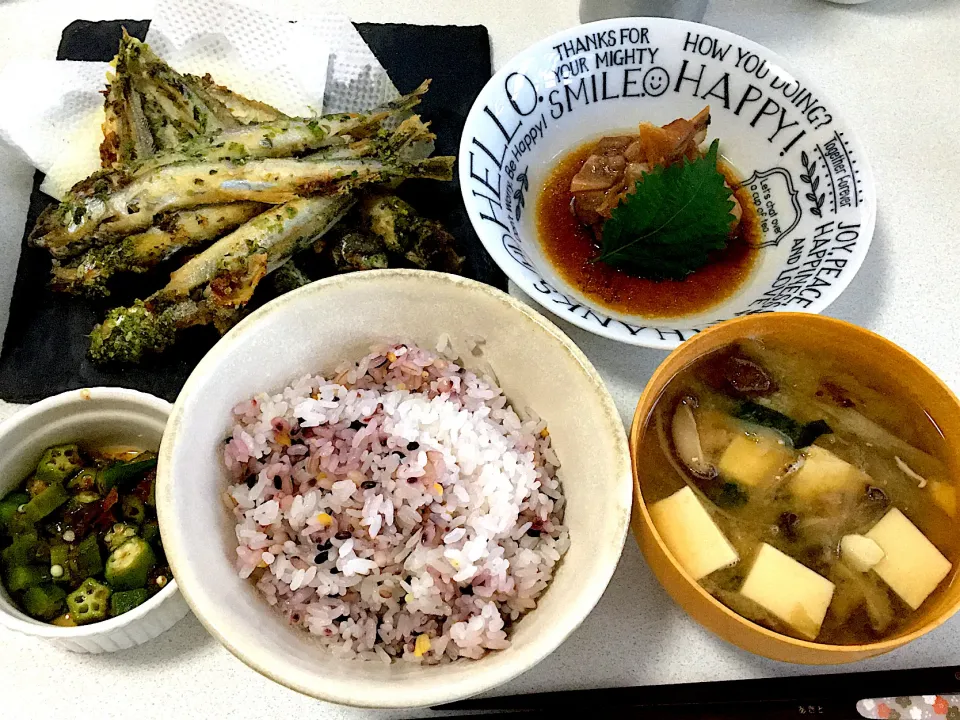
399, 509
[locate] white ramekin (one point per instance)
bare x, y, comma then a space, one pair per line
94, 416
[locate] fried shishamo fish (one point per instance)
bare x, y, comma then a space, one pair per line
284, 137
243, 109
150, 107
126, 132
213, 287
131, 209
176, 110
89, 274
193, 229
254, 162
189, 166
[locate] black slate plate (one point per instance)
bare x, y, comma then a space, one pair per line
44, 349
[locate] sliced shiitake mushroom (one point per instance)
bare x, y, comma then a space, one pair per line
686, 439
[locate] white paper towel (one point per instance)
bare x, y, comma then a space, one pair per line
304, 65
46, 105
355, 80
253, 53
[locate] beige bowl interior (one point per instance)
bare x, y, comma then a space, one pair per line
311, 330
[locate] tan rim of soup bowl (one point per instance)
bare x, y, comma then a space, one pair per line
871, 352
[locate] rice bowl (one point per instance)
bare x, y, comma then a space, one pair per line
399, 510
312, 330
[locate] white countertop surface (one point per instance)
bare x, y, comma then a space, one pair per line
890, 65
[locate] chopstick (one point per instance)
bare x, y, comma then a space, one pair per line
757, 711
822, 696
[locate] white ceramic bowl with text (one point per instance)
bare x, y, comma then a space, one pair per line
806, 170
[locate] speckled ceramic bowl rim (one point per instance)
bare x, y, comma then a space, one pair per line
591, 596
651, 393
36, 628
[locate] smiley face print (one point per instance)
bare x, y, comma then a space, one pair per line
656, 81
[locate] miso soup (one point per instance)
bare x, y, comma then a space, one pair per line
799, 495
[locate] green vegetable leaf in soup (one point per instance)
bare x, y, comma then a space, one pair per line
800, 435
672, 222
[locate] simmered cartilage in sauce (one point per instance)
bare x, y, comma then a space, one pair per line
570, 247
828, 512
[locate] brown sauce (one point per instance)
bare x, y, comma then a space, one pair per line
569, 246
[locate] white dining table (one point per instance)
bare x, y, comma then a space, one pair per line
891, 66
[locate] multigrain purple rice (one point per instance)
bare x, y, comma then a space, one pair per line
417, 517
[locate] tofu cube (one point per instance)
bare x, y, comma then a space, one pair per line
691, 534
792, 592
753, 460
823, 473
912, 566
944, 495
859, 552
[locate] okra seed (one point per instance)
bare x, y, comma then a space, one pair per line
22, 508
162, 580
69, 536
56, 571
